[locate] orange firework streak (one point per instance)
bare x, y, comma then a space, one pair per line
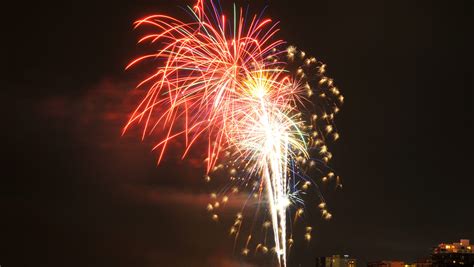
203, 66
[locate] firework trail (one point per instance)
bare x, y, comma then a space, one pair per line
228, 82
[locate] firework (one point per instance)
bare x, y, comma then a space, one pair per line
228, 82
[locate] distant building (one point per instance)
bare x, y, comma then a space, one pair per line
418, 263
462, 247
386, 264
425, 262
455, 254
335, 261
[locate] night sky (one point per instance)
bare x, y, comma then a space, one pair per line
74, 192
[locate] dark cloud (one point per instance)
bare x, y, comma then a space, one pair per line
102, 199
